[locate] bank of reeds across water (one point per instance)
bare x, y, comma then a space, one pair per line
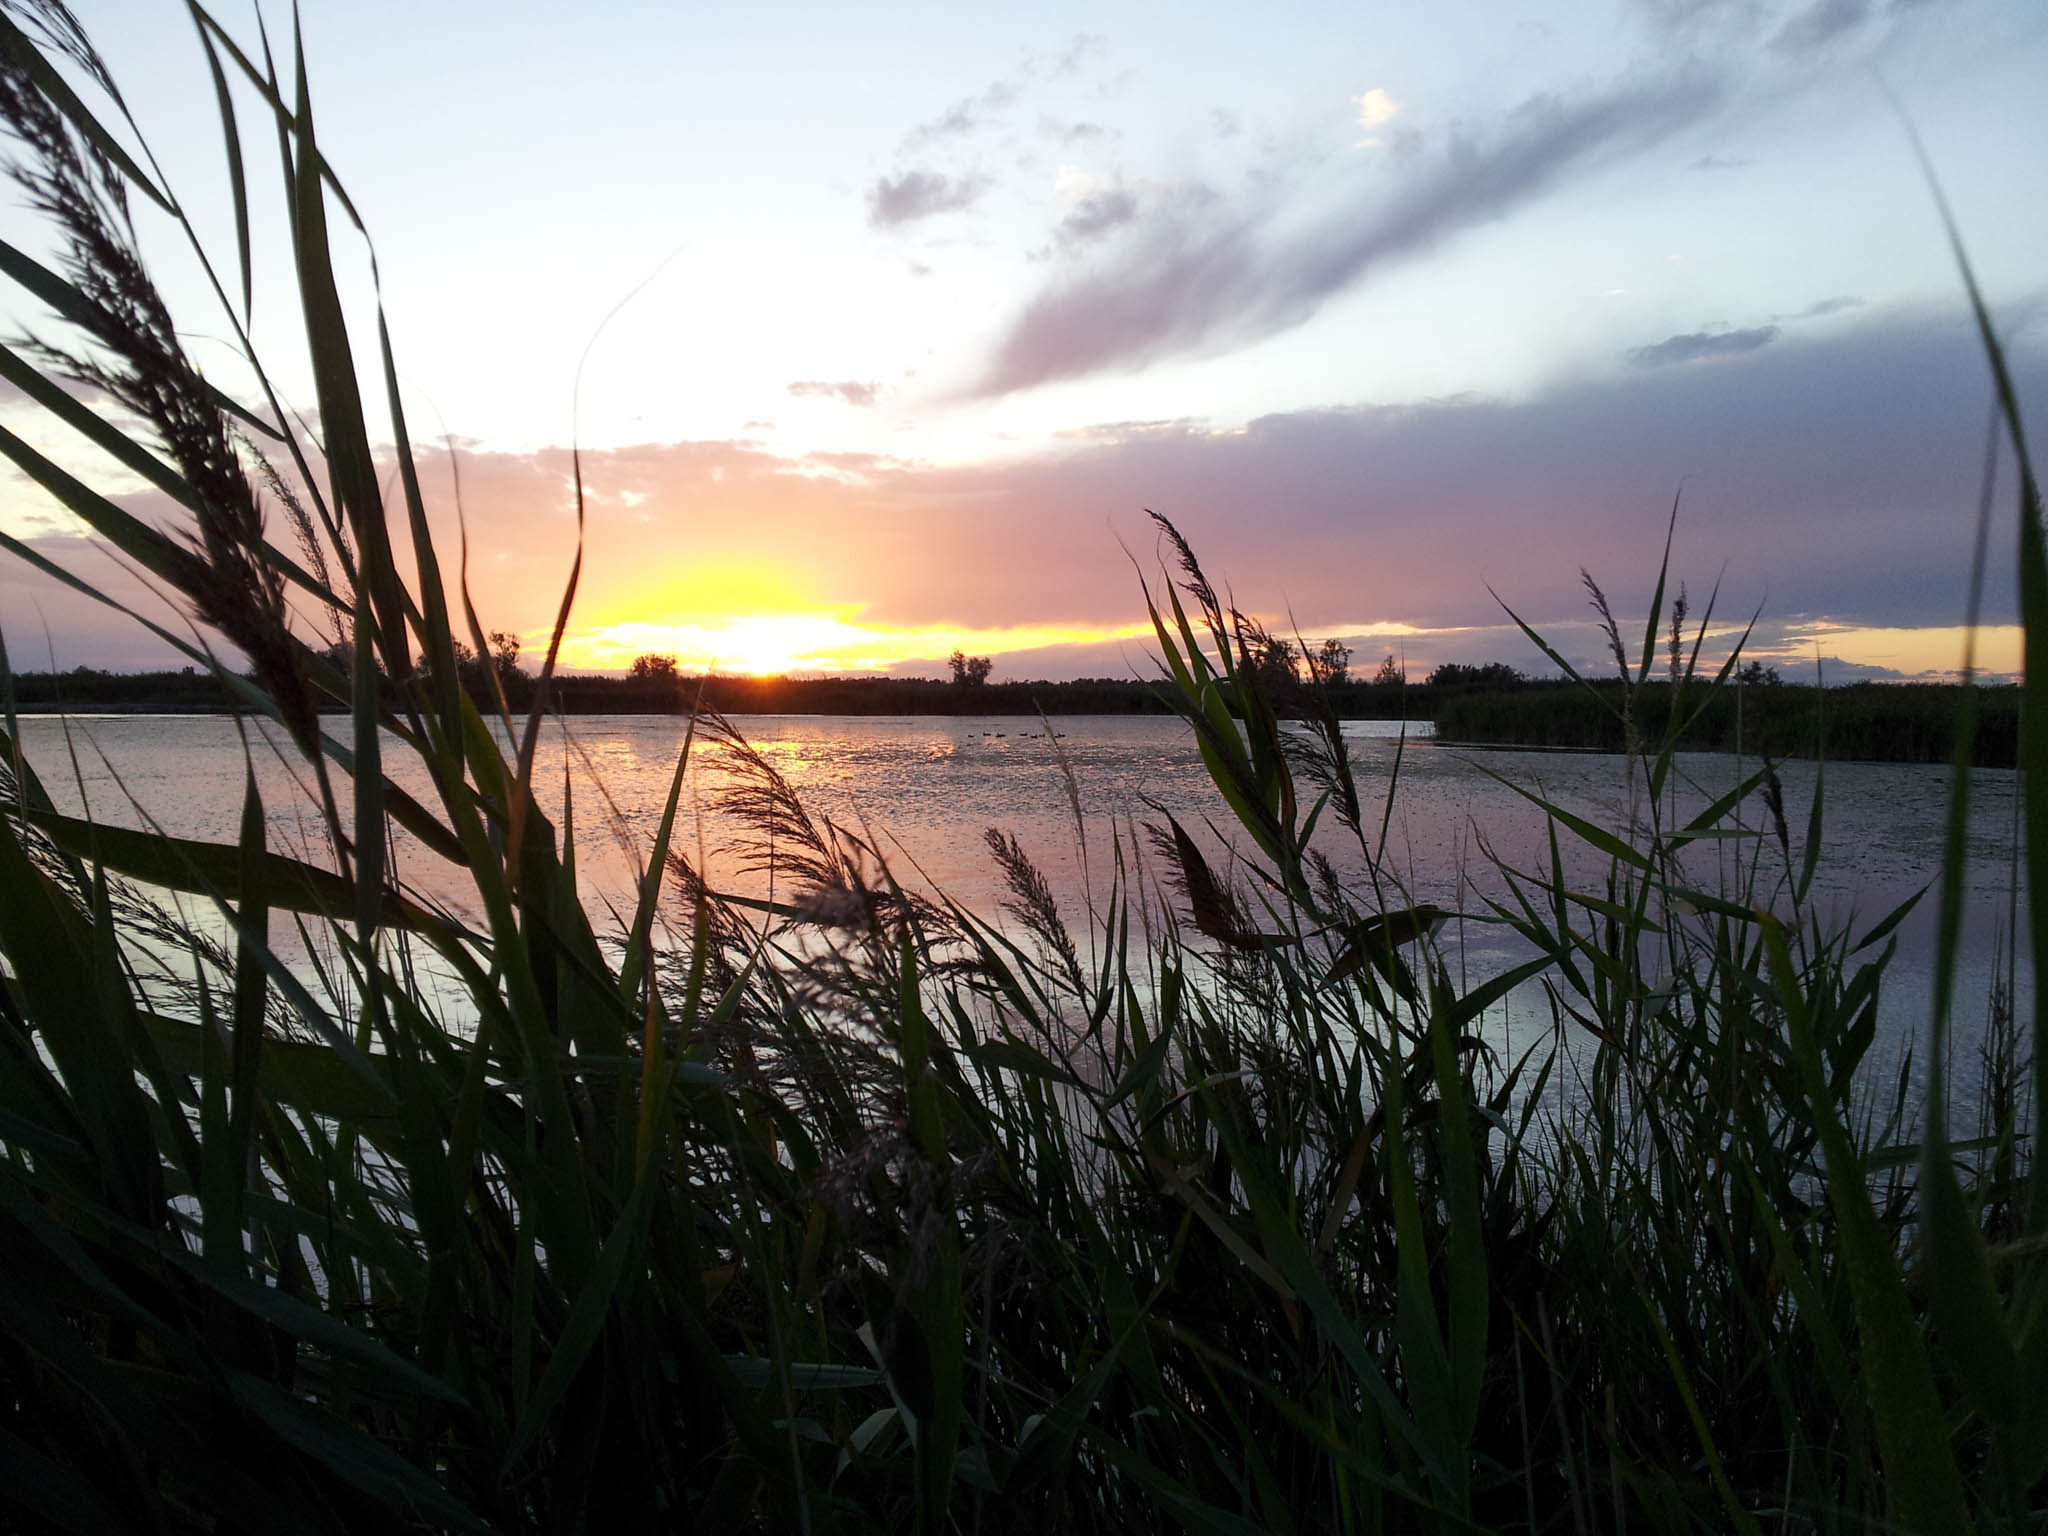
859, 1211
1867, 722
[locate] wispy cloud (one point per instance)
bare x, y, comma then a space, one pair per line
1815, 311
1062, 131
940, 161
962, 118
852, 391
1205, 276
894, 201
1083, 49
1820, 24
1696, 346
1096, 216
1791, 29
1125, 431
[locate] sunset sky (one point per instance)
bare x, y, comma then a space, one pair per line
1383, 305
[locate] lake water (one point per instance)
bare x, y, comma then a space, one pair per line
924, 790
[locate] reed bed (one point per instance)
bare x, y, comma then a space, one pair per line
1867, 722
857, 1210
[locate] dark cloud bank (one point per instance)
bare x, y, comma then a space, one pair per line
1832, 476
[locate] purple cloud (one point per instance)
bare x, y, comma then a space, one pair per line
894, 201
1695, 346
1204, 277
1095, 217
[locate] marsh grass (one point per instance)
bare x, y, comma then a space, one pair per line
845, 1208
1872, 722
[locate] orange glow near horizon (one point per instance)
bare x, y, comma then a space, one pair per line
700, 628
1936, 651
772, 643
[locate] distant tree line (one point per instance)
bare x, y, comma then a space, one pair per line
1868, 722
657, 689
1489, 703
476, 672
86, 690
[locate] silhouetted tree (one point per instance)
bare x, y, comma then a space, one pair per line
505, 658
474, 672
1493, 674
1330, 663
1391, 674
970, 671
653, 669
341, 655
1269, 659
1757, 675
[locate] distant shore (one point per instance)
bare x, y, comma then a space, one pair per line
1889, 722
1864, 722
191, 692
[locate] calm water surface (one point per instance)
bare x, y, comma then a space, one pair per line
925, 789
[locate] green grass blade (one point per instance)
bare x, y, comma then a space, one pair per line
134, 538
639, 940
368, 775
50, 952
1657, 598
351, 465
1922, 1484
250, 989
182, 864
238, 182
2033, 742
586, 1320
1465, 1256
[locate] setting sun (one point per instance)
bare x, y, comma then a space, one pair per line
769, 644
763, 643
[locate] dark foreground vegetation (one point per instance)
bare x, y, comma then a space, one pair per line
857, 1211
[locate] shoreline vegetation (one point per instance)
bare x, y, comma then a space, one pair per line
1866, 722
1224, 1200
